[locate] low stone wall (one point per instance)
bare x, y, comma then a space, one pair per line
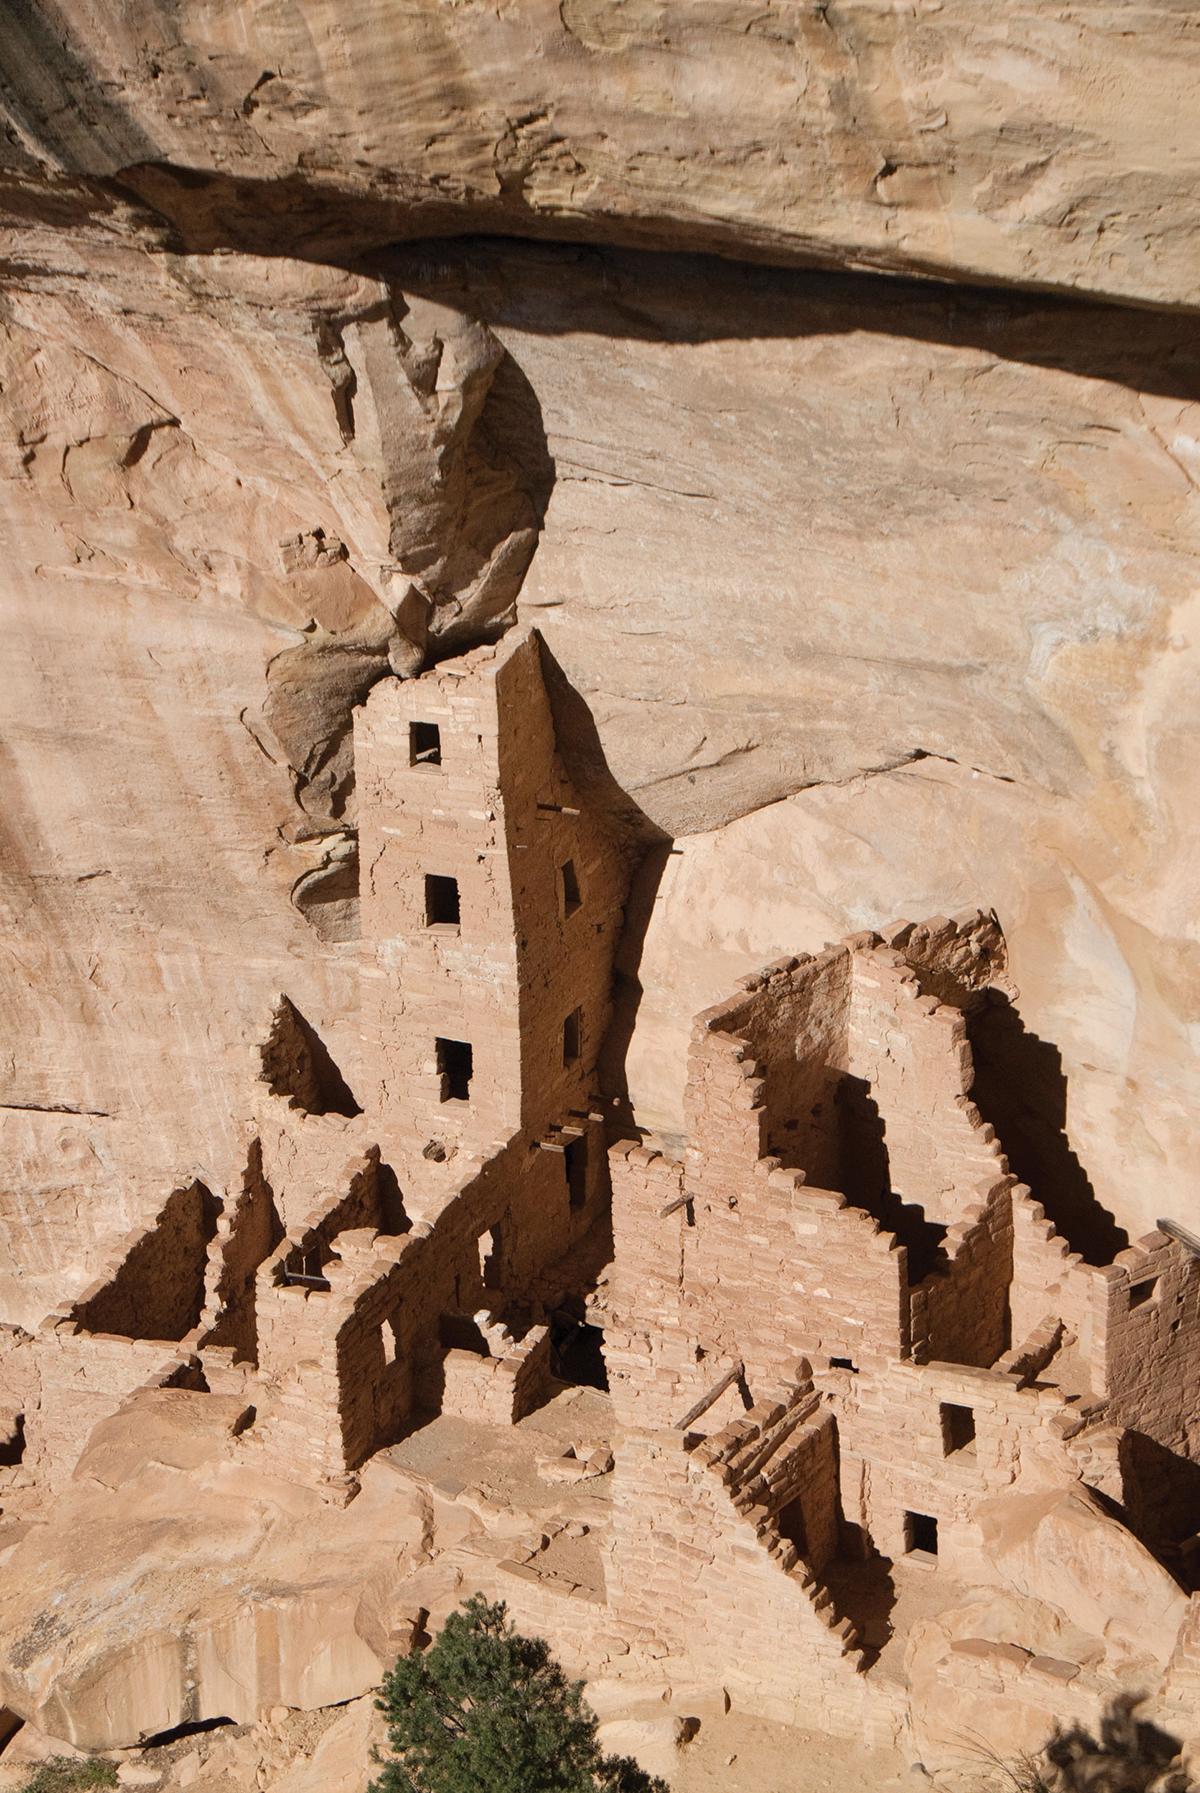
498, 1391
64, 1382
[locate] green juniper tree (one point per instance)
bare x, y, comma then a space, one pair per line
486, 1710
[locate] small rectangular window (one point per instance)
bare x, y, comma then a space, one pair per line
455, 1063
424, 744
441, 901
568, 887
920, 1534
843, 1363
1141, 1292
958, 1428
306, 1266
572, 1034
575, 1167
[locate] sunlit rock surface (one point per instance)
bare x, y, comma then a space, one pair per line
1030, 144
821, 382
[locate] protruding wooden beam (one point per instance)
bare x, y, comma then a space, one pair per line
714, 1394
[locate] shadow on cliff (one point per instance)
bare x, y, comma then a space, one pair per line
1021, 1088
655, 296
646, 848
558, 276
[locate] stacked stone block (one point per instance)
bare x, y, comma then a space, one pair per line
500, 1386
539, 891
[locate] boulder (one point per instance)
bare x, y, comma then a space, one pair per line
1061, 1548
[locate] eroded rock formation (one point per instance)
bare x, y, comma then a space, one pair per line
1036, 146
860, 597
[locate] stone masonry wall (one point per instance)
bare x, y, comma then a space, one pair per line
758, 1276
65, 1382
304, 1155
649, 1348
1136, 1322
1050, 1279
791, 1021
914, 1054
523, 976
960, 1311
714, 1550
955, 957
347, 1368
905, 1450
248, 1230
444, 819
498, 1391
1151, 1342
566, 939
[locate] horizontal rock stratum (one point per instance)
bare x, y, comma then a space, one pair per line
1035, 144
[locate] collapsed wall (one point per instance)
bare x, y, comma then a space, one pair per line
841, 1201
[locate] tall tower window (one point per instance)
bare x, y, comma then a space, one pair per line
572, 1034
575, 1169
424, 744
441, 901
568, 887
455, 1063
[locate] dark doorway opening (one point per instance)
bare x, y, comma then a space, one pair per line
456, 1064
568, 884
577, 1351
789, 1523
12, 1447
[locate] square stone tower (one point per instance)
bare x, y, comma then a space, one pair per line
492, 903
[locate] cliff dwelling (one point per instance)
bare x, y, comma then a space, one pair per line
599, 978
825, 1370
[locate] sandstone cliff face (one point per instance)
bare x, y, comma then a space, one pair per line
1034, 143
916, 604
868, 595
